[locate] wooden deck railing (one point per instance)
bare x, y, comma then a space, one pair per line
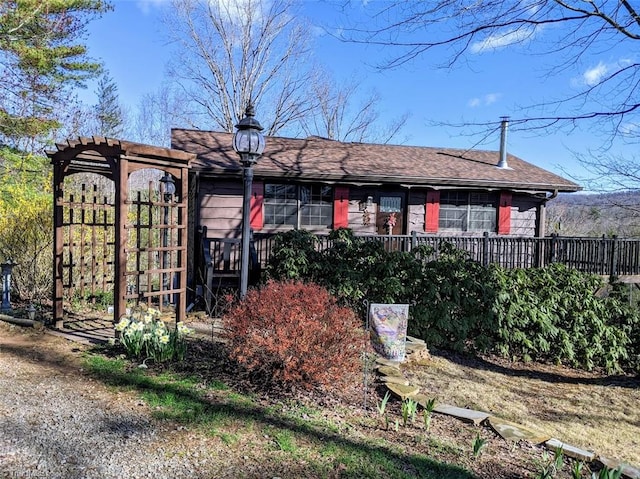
604, 256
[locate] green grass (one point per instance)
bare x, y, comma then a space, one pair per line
284, 433
285, 440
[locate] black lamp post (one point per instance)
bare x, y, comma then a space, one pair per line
169, 190
248, 142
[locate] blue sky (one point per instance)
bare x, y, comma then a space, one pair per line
491, 84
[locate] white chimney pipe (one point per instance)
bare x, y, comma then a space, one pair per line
504, 126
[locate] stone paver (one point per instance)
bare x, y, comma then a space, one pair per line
402, 391
395, 380
389, 371
466, 415
571, 451
511, 431
387, 362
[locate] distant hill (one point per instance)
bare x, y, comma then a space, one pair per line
581, 214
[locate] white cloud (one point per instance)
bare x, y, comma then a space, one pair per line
146, 6
501, 40
491, 98
484, 100
630, 129
594, 75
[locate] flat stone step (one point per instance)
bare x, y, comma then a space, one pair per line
511, 431
389, 371
388, 362
403, 392
466, 415
571, 451
395, 380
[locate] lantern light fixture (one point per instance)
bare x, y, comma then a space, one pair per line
169, 186
248, 141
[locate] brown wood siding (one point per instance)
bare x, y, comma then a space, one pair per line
415, 215
221, 208
358, 220
221, 212
362, 221
523, 215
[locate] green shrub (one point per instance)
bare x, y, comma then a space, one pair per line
453, 307
546, 314
294, 255
294, 333
352, 268
553, 314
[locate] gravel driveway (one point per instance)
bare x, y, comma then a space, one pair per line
56, 422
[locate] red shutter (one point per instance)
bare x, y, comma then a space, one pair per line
340, 207
432, 212
256, 218
504, 213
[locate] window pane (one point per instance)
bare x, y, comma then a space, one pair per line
280, 204
316, 205
482, 220
280, 192
452, 217
467, 211
390, 204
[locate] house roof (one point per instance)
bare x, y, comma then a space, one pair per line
320, 159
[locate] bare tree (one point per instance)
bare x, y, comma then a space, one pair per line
236, 51
340, 116
594, 215
563, 30
156, 114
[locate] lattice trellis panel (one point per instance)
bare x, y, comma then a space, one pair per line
88, 233
155, 243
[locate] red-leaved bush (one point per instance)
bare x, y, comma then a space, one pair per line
294, 333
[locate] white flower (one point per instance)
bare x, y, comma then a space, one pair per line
124, 322
147, 318
164, 339
146, 337
182, 329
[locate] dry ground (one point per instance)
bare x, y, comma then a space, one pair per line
588, 410
546, 398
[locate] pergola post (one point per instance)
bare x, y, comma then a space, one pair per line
120, 280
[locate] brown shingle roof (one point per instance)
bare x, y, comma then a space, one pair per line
321, 159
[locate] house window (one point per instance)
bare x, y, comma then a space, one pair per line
298, 205
390, 204
467, 211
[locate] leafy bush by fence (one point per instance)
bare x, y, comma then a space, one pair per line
544, 314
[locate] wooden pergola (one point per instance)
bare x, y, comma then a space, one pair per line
126, 244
